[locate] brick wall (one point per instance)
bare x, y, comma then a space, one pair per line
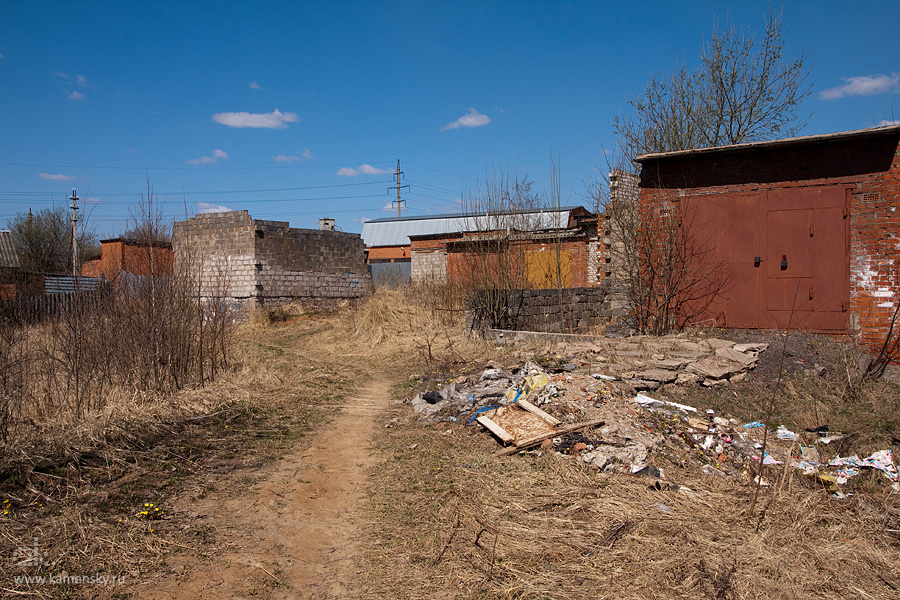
869, 166
245, 259
434, 257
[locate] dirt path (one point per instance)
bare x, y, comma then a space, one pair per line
295, 533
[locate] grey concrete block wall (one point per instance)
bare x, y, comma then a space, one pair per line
245, 259
428, 266
568, 310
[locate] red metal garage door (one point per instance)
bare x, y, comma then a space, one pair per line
786, 253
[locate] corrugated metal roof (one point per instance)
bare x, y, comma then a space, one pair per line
396, 231
806, 139
66, 284
9, 259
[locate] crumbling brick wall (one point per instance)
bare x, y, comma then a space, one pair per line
244, 259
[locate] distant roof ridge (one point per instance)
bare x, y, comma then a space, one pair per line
475, 214
823, 137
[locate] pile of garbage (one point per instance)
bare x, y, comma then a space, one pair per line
587, 416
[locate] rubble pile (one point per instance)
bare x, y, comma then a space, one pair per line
590, 416
646, 363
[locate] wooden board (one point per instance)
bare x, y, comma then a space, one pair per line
496, 429
520, 423
550, 419
538, 439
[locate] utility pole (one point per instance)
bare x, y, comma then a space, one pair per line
398, 187
74, 200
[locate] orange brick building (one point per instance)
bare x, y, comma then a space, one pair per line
445, 246
132, 257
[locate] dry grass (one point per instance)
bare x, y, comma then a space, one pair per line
79, 490
450, 521
447, 519
454, 522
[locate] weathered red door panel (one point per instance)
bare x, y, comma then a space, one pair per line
726, 229
807, 249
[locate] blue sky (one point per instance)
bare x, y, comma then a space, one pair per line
298, 110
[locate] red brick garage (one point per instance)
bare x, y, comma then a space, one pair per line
806, 228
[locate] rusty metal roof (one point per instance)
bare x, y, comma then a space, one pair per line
9, 259
396, 231
807, 139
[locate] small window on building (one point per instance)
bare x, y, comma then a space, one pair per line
260, 233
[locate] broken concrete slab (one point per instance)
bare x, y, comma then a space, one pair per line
687, 378
740, 357
660, 375
755, 347
715, 367
643, 384
716, 343
670, 364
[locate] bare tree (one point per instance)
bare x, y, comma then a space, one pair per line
744, 90
44, 241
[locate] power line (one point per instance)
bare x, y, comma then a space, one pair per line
212, 192
435, 170
192, 168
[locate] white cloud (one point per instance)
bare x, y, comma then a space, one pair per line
217, 155
2, 57
255, 86
305, 155
362, 220
76, 79
273, 120
864, 85
363, 169
56, 177
885, 122
471, 119
91, 200
389, 206
75, 95
206, 207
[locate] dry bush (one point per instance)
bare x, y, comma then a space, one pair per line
115, 350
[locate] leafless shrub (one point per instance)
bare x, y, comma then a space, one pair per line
146, 335
666, 262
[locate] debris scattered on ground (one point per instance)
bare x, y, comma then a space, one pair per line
578, 412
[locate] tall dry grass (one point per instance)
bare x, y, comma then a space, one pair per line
419, 325
116, 351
